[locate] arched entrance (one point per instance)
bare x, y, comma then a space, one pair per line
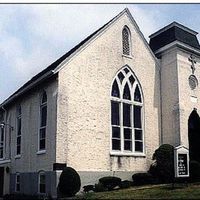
194, 136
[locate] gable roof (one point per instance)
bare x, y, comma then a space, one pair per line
55, 66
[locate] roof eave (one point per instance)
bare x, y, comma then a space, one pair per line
179, 44
172, 25
143, 38
60, 66
30, 86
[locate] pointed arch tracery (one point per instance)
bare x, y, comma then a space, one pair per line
126, 113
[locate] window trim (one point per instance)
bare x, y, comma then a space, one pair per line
42, 105
123, 152
16, 182
39, 174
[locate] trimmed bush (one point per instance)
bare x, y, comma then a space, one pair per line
163, 167
88, 188
194, 171
99, 188
142, 179
125, 184
110, 182
69, 183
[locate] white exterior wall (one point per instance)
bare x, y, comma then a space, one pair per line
30, 104
84, 118
176, 95
185, 93
170, 98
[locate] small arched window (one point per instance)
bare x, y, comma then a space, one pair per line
126, 41
42, 182
43, 121
126, 113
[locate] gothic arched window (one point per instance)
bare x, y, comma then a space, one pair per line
43, 121
126, 114
126, 41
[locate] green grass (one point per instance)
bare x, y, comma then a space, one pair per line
154, 192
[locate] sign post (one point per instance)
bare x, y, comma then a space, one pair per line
181, 162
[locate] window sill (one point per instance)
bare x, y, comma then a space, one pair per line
4, 161
41, 152
127, 56
17, 156
127, 154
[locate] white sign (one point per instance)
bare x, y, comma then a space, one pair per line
181, 161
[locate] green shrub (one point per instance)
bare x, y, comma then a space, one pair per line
142, 179
194, 171
110, 182
88, 188
69, 183
99, 188
163, 167
125, 184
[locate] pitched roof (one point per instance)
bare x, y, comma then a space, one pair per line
55, 66
173, 32
49, 70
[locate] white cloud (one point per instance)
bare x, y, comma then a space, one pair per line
42, 33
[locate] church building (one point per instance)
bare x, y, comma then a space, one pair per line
102, 108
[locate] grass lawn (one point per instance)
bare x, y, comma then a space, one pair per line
150, 192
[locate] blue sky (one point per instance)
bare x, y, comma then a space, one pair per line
32, 36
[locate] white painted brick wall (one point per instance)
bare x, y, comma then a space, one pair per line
83, 125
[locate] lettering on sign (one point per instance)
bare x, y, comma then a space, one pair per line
182, 164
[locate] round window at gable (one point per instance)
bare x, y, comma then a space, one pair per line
193, 82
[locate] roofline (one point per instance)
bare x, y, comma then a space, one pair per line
28, 87
143, 38
54, 71
67, 59
180, 45
171, 25
61, 65
126, 10
181, 146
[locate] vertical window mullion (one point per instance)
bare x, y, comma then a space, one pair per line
121, 126
132, 129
